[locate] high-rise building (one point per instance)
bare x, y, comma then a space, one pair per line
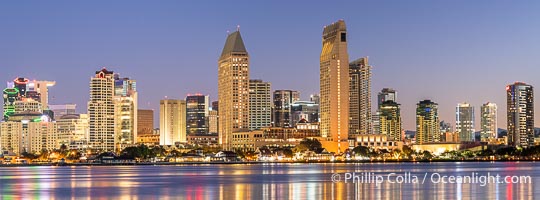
145, 122
360, 97
427, 122
304, 110
213, 121
282, 107
488, 121
260, 107
334, 88
101, 111
386, 94
465, 122
172, 121
233, 89
520, 114
197, 114
126, 107
390, 120
42, 88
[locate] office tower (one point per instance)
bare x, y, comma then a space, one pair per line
172, 121
197, 114
72, 130
520, 114
126, 105
488, 121
10, 96
427, 122
386, 94
315, 98
145, 122
334, 88
101, 111
213, 124
282, 107
465, 122
304, 110
233, 89
360, 97
64, 109
390, 120
42, 88
260, 107
215, 105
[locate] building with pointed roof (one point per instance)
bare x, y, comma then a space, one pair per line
233, 89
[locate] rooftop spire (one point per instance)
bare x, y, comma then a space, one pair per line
234, 43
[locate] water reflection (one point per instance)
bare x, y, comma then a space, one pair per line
268, 181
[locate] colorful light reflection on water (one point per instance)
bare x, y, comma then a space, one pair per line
257, 181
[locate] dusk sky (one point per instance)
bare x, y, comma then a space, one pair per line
446, 51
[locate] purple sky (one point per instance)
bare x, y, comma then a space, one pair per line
449, 52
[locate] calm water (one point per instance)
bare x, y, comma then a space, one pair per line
258, 181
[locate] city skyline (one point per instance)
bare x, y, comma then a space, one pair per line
25, 56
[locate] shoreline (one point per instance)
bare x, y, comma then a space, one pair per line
250, 163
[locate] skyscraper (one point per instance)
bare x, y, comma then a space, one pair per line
233, 89
386, 94
520, 114
465, 122
126, 107
390, 120
260, 108
360, 97
101, 111
427, 122
145, 122
282, 107
42, 87
488, 121
334, 88
197, 114
172, 121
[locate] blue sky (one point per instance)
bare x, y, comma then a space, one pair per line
447, 51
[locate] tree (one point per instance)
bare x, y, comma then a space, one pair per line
407, 151
308, 144
361, 151
427, 155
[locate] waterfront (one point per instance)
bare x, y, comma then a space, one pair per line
258, 181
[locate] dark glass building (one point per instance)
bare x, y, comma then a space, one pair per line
197, 114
